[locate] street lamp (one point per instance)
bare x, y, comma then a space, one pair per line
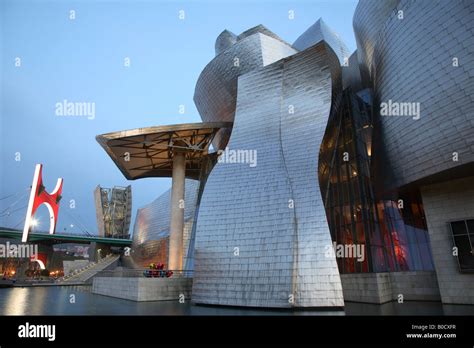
33, 224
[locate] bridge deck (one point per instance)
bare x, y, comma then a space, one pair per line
64, 238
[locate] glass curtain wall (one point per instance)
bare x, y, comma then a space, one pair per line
392, 232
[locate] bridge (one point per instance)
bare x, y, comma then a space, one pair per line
46, 238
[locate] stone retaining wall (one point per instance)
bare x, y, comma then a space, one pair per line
143, 289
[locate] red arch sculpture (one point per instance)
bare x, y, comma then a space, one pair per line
38, 196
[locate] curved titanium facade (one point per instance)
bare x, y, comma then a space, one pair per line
421, 71
152, 224
216, 89
423, 64
225, 40
351, 76
430, 79
369, 20
318, 32
262, 234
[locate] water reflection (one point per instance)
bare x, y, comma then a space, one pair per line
15, 302
56, 301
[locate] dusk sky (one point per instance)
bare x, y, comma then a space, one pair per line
47, 57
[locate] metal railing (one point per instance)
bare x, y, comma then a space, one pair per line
77, 272
146, 273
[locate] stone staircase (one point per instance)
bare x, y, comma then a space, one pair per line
85, 274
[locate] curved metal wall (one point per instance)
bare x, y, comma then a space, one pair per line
412, 62
318, 32
351, 74
281, 249
368, 21
152, 222
225, 40
216, 88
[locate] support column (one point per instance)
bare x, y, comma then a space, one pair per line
175, 257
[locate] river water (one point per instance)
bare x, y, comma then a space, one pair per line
56, 300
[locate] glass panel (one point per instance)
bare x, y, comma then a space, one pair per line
465, 253
470, 226
458, 227
421, 236
425, 253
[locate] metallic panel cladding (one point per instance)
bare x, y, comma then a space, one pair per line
369, 19
216, 89
153, 220
351, 74
411, 60
225, 40
281, 250
318, 32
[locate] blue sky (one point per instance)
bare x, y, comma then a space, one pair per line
82, 60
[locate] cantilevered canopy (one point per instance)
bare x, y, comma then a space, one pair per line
148, 152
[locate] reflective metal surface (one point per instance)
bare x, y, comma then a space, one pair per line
272, 214
216, 89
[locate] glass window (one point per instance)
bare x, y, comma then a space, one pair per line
458, 227
470, 226
464, 243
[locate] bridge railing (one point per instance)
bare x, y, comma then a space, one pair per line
146, 273
63, 233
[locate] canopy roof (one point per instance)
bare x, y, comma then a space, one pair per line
148, 152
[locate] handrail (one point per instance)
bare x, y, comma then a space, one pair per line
89, 268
